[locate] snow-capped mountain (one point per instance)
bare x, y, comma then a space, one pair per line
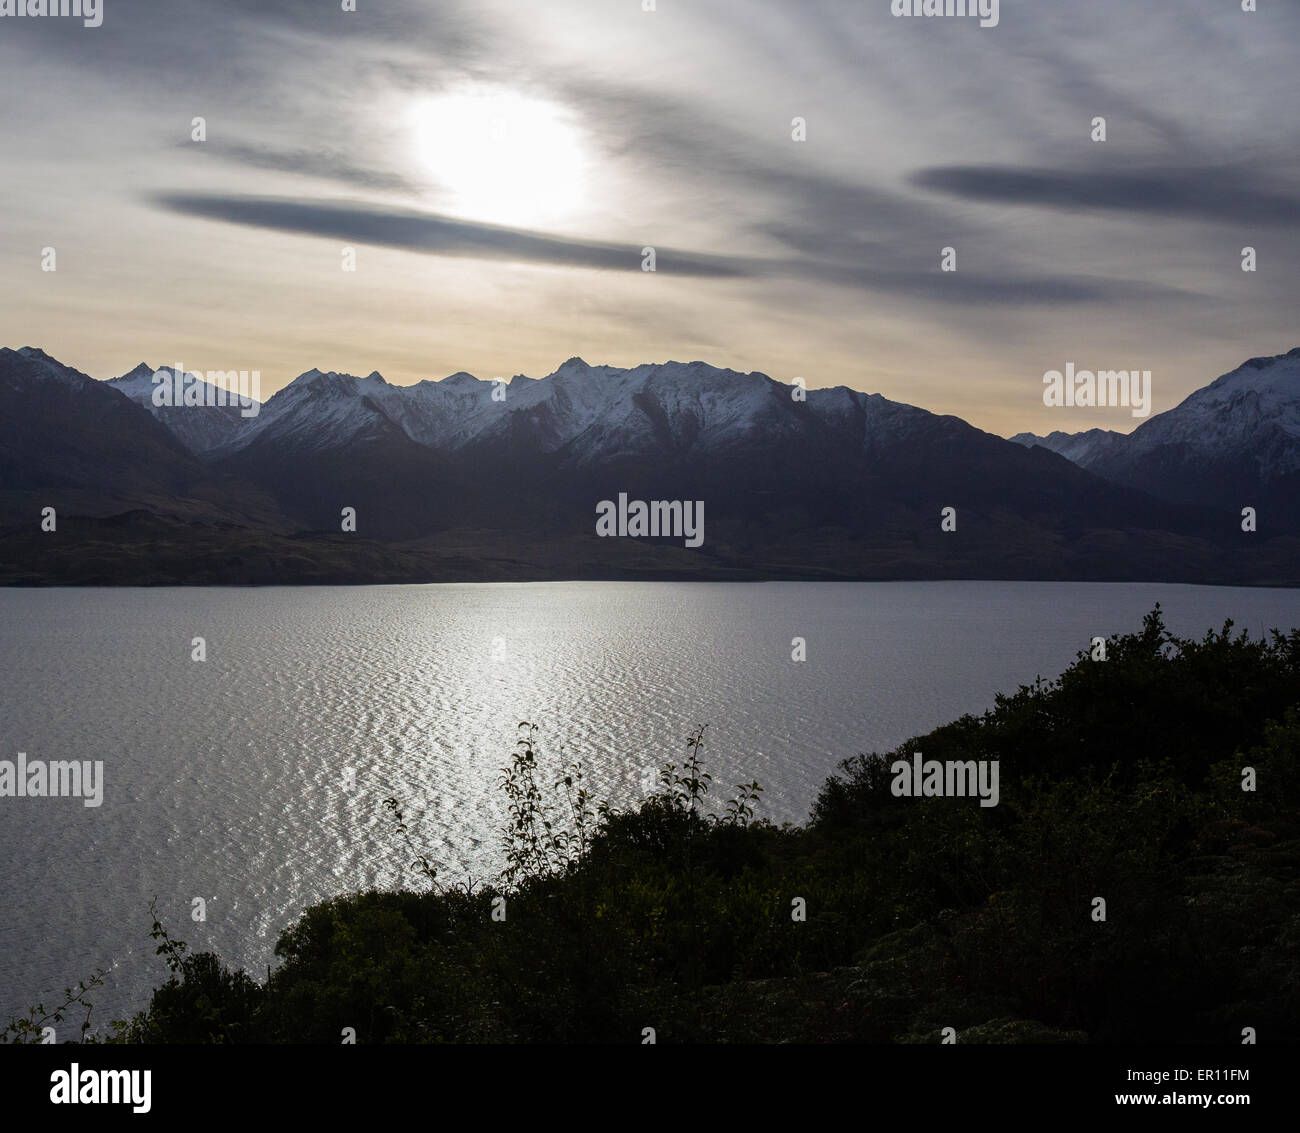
588, 413
442, 452
470, 452
503, 479
1082, 448
77, 445
1234, 443
322, 410
200, 428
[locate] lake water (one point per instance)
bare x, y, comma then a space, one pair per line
227, 779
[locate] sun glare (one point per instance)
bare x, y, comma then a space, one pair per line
501, 157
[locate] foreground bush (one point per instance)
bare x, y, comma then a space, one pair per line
883, 919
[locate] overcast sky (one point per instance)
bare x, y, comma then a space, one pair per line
499, 165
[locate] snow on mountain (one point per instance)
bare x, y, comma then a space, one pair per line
70, 442
1232, 413
317, 410
1231, 443
1244, 428
1227, 416
137, 383
594, 411
1083, 448
201, 428
1238, 437
467, 454
598, 411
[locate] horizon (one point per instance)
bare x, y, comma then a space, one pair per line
495, 180
1132, 422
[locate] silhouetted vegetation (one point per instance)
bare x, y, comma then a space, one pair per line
1123, 779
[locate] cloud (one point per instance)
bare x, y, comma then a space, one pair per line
330, 165
431, 234
440, 235
822, 256
1224, 194
136, 38
828, 228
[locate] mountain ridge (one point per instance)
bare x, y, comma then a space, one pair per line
1233, 441
828, 482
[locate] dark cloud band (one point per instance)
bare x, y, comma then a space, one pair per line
1225, 194
447, 236
440, 235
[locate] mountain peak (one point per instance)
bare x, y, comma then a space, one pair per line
575, 366
1265, 361
48, 367
1275, 376
328, 384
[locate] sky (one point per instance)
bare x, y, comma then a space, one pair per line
497, 168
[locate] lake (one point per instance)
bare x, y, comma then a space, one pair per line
255, 778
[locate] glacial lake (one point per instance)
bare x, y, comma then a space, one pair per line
255, 778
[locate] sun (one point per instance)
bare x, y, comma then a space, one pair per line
501, 157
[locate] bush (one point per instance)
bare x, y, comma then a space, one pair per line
882, 920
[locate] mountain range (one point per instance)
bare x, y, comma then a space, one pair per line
472, 479
1234, 443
